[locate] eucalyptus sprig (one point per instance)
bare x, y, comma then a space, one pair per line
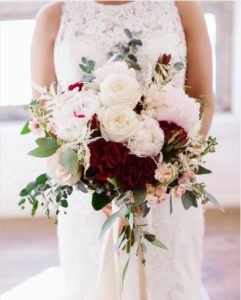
87, 66
126, 51
42, 192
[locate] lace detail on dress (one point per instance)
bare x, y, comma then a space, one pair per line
91, 29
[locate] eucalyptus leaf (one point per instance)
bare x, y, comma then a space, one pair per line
125, 271
43, 151
47, 141
159, 244
214, 201
108, 223
188, 199
69, 160
139, 196
128, 33
81, 186
23, 193
116, 246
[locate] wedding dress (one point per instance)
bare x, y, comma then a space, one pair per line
91, 29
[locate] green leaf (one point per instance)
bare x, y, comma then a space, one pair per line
202, 170
179, 66
114, 181
108, 223
43, 151
152, 239
31, 186
149, 236
139, 196
47, 141
124, 271
84, 68
134, 65
128, 33
21, 202
64, 203
69, 160
23, 193
119, 57
100, 200
132, 57
171, 206
47, 147
159, 244
188, 199
131, 220
34, 207
84, 60
42, 179
116, 246
81, 186
25, 129
91, 65
214, 201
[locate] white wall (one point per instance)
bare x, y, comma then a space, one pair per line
17, 168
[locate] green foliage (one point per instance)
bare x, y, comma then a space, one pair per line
87, 66
43, 191
214, 201
139, 196
202, 170
152, 239
108, 223
189, 199
99, 201
47, 147
69, 160
25, 129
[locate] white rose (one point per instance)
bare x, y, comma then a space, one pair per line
148, 140
58, 172
76, 112
117, 123
120, 89
113, 67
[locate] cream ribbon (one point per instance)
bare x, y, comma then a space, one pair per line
109, 273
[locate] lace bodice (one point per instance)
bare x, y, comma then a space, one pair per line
91, 29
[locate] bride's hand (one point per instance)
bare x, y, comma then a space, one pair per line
107, 210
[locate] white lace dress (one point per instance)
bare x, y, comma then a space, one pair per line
90, 29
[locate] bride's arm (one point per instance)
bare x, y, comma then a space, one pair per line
42, 62
199, 57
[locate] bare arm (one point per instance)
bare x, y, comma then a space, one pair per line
42, 62
199, 57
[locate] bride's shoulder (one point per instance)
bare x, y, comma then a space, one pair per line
48, 19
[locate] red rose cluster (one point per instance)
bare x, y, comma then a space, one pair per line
111, 159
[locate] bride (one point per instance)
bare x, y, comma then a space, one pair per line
64, 33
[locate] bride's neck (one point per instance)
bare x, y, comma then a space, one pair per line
114, 2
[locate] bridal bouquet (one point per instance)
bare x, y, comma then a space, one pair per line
123, 135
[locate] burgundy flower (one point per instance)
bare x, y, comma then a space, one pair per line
170, 128
107, 158
137, 172
95, 125
165, 59
78, 85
